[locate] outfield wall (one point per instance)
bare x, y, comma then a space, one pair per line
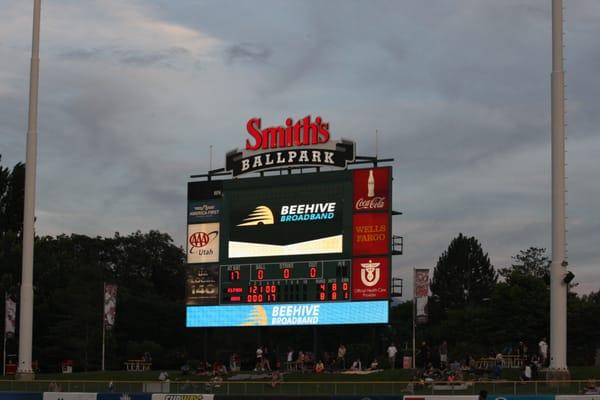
198, 396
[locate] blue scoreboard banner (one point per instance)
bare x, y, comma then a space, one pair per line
296, 314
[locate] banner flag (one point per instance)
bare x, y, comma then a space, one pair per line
110, 304
421, 282
10, 317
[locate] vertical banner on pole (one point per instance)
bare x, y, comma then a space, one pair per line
10, 317
421, 294
110, 305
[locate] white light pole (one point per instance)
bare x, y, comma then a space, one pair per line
558, 288
24, 370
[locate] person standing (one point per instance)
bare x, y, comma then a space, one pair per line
259, 359
443, 354
391, 352
341, 356
543, 351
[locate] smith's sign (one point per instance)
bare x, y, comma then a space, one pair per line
303, 143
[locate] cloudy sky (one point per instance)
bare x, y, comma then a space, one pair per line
134, 92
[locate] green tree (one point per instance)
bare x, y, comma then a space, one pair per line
463, 274
530, 262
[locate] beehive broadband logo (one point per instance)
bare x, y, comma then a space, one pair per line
261, 215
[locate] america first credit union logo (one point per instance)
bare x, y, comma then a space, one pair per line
203, 243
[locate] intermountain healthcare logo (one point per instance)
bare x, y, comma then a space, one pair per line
203, 243
369, 274
370, 278
256, 317
261, 215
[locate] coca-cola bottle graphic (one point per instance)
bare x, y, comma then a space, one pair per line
371, 184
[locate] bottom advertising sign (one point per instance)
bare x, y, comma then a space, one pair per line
298, 314
176, 396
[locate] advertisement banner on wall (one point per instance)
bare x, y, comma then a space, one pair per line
69, 396
20, 396
186, 396
124, 396
203, 243
370, 277
421, 291
295, 314
370, 234
110, 305
10, 316
371, 189
202, 284
204, 211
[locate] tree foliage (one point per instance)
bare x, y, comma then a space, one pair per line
530, 262
463, 273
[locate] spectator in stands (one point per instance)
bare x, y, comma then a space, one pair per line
276, 379
259, 359
301, 361
234, 362
543, 351
266, 363
482, 395
341, 356
147, 357
356, 365
591, 388
163, 376
391, 353
526, 376
319, 367
290, 357
374, 365
443, 354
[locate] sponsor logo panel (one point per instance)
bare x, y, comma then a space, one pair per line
370, 234
186, 396
371, 189
281, 221
370, 277
204, 211
69, 396
202, 284
297, 314
203, 243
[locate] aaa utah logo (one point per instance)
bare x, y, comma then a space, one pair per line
370, 273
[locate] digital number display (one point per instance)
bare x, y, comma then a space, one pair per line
286, 282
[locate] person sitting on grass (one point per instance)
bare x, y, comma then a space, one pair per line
276, 378
374, 365
356, 365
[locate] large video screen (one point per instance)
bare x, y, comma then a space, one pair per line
315, 245
286, 220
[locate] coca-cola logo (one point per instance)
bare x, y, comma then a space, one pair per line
370, 204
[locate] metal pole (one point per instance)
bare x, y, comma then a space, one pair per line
103, 331
414, 322
558, 289
24, 370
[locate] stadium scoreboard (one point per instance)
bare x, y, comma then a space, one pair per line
293, 249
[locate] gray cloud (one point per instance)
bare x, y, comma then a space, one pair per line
460, 101
247, 52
